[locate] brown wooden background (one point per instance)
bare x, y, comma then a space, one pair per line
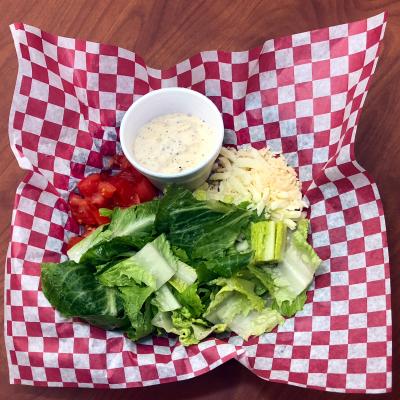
165, 32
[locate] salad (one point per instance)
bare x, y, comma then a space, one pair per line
231, 257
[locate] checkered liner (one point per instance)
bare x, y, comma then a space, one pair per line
300, 94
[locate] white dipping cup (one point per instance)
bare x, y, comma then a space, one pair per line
169, 101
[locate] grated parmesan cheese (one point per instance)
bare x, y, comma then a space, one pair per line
259, 177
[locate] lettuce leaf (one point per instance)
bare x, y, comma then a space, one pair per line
157, 258
238, 307
225, 266
129, 228
74, 291
165, 300
184, 276
135, 223
287, 282
203, 229
105, 251
127, 273
288, 308
255, 323
190, 299
190, 330
236, 296
296, 271
153, 265
141, 325
97, 236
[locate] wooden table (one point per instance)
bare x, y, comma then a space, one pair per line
152, 29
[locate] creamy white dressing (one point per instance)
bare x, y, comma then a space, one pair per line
173, 143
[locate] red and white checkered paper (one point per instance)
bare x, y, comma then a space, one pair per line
300, 94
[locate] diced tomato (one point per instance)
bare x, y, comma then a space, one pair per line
100, 219
89, 185
81, 210
145, 190
98, 200
125, 194
84, 212
106, 189
127, 188
73, 241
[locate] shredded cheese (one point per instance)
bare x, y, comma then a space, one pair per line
261, 178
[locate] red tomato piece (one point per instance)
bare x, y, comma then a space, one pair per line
73, 241
98, 200
106, 189
89, 185
81, 210
84, 212
125, 194
145, 190
100, 219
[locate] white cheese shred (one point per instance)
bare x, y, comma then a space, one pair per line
259, 177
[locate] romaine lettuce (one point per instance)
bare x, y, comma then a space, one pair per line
129, 228
268, 239
165, 300
203, 229
238, 307
153, 265
73, 290
288, 280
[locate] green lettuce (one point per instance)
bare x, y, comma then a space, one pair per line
268, 239
138, 310
288, 308
135, 224
225, 266
190, 299
153, 266
236, 296
165, 300
237, 306
189, 330
203, 229
255, 323
73, 290
127, 273
107, 250
184, 276
288, 281
130, 228
78, 250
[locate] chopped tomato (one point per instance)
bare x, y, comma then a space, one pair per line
73, 241
98, 200
81, 210
107, 189
84, 212
145, 190
89, 185
125, 194
124, 189
100, 219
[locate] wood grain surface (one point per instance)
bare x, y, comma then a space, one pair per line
165, 32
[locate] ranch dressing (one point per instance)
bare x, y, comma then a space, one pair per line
173, 143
